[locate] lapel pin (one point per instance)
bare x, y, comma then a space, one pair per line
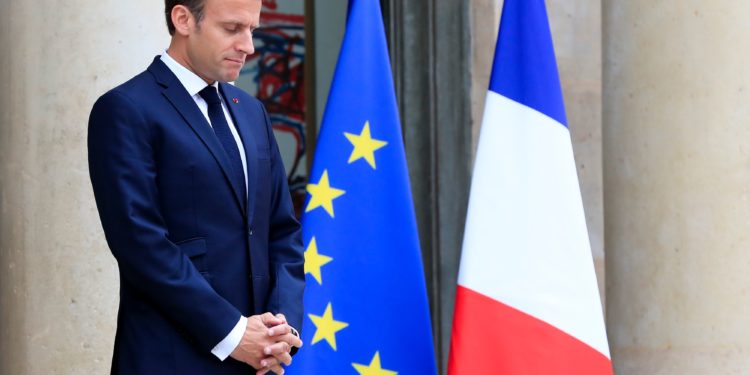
235, 100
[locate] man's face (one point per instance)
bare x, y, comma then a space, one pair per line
218, 46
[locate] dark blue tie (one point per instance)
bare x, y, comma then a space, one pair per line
221, 129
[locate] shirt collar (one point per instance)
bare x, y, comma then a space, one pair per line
192, 83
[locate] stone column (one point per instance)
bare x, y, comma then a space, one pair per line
676, 176
58, 281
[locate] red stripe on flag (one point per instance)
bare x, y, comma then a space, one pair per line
490, 337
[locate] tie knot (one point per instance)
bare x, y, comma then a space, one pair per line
210, 95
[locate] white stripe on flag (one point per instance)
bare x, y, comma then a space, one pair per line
526, 243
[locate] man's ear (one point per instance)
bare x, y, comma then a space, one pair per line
182, 19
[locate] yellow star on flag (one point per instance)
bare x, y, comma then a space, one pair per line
374, 368
322, 194
315, 260
326, 327
364, 145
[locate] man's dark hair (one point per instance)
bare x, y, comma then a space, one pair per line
195, 7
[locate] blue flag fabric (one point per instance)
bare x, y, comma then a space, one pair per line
366, 309
525, 68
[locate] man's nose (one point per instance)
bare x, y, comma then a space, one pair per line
245, 45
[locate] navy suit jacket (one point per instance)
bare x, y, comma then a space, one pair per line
193, 253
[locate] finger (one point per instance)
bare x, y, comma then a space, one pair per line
270, 320
281, 329
268, 362
281, 317
283, 332
272, 364
284, 358
290, 339
280, 351
295, 341
276, 367
277, 348
278, 370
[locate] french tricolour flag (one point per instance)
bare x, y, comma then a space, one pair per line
527, 299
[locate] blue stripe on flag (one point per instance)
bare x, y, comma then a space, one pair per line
524, 67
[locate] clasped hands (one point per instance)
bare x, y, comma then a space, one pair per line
266, 343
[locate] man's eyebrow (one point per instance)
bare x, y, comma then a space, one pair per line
240, 24
233, 22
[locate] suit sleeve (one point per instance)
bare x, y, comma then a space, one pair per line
285, 243
123, 172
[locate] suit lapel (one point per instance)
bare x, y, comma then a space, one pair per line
241, 122
185, 105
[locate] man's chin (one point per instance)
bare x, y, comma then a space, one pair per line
230, 76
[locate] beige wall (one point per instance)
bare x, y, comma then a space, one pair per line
677, 171
58, 283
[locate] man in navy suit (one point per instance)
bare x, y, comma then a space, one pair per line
193, 199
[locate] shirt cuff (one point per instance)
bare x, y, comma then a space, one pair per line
223, 349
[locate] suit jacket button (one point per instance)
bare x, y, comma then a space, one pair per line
250, 232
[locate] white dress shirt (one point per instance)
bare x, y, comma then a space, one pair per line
194, 84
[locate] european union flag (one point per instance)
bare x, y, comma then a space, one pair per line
366, 302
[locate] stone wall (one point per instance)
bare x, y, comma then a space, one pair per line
58, 283
676, 177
